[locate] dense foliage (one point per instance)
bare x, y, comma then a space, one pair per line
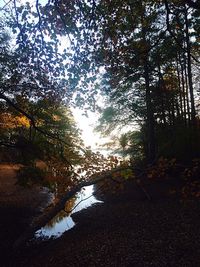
141, 56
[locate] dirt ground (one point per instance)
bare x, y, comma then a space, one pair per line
18, 206
12, 194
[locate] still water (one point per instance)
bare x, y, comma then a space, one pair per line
63, 221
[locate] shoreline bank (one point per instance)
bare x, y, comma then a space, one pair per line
126, 230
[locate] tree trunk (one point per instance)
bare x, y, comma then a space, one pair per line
190, 82
150, 117
187, 92
179, 85
161, 88
50, 212
183, 92
151, 148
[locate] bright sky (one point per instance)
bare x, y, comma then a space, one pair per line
87, 125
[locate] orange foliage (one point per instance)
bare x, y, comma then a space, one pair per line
161, 169
11, 122
192, 182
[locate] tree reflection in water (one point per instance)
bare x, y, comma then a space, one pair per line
63, 221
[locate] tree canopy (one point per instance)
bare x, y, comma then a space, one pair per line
143, 56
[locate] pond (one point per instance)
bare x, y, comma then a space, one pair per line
63, 221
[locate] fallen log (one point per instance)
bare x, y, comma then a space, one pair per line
48, 214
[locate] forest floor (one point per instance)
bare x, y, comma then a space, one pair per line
126, 230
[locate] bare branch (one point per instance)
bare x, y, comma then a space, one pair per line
70, 211
6, 4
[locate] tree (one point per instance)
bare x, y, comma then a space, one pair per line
130, 33
131, 44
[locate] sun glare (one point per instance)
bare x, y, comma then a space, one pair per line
87, 125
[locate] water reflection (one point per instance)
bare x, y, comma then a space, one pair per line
62, 221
